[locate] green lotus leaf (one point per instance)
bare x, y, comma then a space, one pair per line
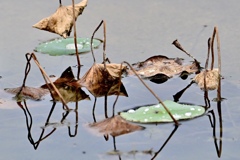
66, 46
156, 113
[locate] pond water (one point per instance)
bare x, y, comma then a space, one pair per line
136, 30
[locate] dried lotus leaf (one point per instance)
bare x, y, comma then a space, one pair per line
212, 77
61, 21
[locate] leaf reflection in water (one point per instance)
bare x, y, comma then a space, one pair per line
115, 126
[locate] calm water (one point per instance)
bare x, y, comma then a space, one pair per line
136, 30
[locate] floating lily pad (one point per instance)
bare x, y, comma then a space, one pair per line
66, 46
156, 113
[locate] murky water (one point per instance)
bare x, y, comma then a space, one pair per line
136, 30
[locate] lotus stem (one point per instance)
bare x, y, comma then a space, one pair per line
94, 60
75, 39
212, 47
219, 65
159, 100
27, 70
46, 78
104, 44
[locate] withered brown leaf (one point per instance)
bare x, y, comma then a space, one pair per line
102, 82
68, 87
61, 21
212, 78
164, 66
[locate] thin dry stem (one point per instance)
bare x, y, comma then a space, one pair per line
208, 54
119, 85
75, 40
94, 60
219, 65
159, 100
206, 64
212, 47
46, 78
104, 44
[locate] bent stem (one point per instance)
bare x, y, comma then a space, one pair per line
27, 70
159, 100
46, 78
118, 91
215, 33
94, 59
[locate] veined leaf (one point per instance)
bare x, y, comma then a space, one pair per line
156, 113
61, 21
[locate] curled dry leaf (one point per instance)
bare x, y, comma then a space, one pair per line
28, 92
68, 87
212, 77
61, 21
162, 67
102, 82
115, 126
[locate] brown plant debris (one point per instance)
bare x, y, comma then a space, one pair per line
61, 21
115, 126
212, 77
102, 82
68, 87
164, 66
28, 92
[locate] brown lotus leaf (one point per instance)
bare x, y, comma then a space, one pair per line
68, 87
61, 21
28, 92
102, 82
66, 79
163, 65
212, 78
115, 126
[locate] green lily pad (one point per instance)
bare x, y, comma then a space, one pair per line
66, 46
156, 113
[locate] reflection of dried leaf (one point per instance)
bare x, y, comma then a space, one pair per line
61, 21
102, 82
28, 92
70, 94
162, 65
211, 79
68, 87
115, 126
